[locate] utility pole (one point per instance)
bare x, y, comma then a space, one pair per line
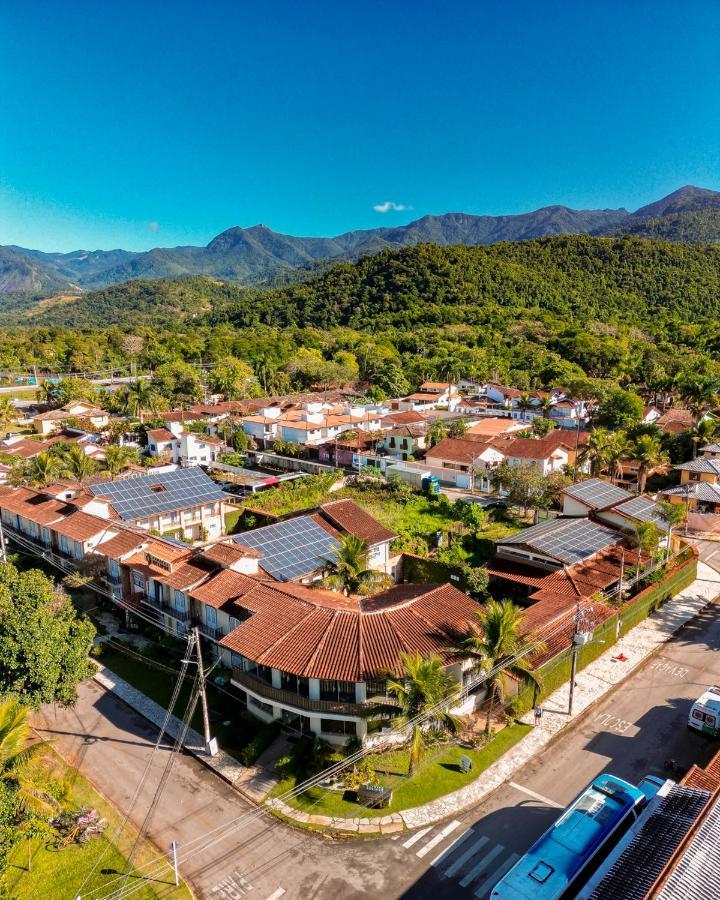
209, 743
3, 548
580, 638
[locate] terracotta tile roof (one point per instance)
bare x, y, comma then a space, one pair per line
351, 518
227, 554
402, 418
79, 526
160, 435
457, 450
707, 779
426, 398
493, 426
224, 588
532, 448
187, 575
122, 544
317, 635
435, 386
675, 420
25, 448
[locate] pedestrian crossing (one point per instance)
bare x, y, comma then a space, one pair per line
472, 860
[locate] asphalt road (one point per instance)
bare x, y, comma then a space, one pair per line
630, 733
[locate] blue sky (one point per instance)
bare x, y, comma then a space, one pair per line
141, 124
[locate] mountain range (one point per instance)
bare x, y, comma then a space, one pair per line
257, 255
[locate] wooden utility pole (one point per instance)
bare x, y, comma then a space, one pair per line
203, 695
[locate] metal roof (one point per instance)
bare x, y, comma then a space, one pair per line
596, 493
644, 510
701, 464
292, 548
634, 872
567, 540
696, 875
710, 448
155, 493
698, 490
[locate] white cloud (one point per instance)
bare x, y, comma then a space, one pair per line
390, 206
154, 226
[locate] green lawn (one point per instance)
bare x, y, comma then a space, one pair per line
159, 685
439, 774
231, 520
58, 874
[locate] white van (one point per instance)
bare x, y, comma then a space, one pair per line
705, 713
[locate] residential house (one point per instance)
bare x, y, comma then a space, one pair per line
492, 426
549, 454
431, 395
86, 414
464, 462
699, 487
405, 441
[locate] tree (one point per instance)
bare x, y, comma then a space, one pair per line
44, 646
423, 687
596, 450
698, 392
77, 464
437, 432
8, 412
541, 427
141, 397
492, 644
178, 382
620, 409
525, 403
43, 469
618, 449
673, 515
348, 571
526, 486
647, 452
118, 458
234, 379
17, 754
457, 428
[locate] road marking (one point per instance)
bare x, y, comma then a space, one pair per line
416, 837
545, 800
451, 849
234, 887
612, 723
493, 879
669, 668
276, 895
468, 854
448, 829
480, 867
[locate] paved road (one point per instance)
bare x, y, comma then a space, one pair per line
630, 733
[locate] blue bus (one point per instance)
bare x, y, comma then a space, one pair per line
596, 819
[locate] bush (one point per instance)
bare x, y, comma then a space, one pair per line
262, 740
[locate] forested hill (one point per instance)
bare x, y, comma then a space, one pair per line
654, 285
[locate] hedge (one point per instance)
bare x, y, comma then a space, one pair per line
262, 740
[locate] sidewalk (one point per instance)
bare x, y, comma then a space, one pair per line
592, 683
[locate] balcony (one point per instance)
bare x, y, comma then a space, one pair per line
289, 698
208, 631
182, 615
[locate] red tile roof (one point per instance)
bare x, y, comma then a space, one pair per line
459, 450
351, 518
123, 543
79, 526
161, 435
535, 448
227, 554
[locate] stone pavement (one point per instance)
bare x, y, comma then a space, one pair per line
592, 683
224, 765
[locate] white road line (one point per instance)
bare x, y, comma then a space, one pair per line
448, 829
468, 854
493, 879
545, 800
276, 895
477, 869
453, 847
416, 837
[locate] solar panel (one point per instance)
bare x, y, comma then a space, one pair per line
568, 540
596, 493
159, 492
292, 548
643, 509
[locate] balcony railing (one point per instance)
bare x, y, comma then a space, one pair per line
289, 698
209, 631
182, 615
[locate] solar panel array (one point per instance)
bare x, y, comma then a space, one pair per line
643, 509
567, 540
134, 498
292, 548
597, 494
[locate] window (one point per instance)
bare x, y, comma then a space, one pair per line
296, 684
340, 691
258, 704
211, 616
337, 726
138, 582
376, 688
236, 661
180, 600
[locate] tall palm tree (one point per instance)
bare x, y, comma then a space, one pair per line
438, 431
673, 515
141, 397
77, 464
423, 685
43, 469
118, 458
17, 755
617, 450
524, 403
8, 412
595, 451
649, 455
348, 571
492, 645
546, 405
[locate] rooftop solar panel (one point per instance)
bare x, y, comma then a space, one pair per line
596, 493
643, 509
159, 492
567, 540
292, 548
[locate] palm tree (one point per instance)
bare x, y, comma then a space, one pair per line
77, 464
524, 402
423, 686
698, 393
349, 573
617, 450
546, 405
118, 458
17, 755
8, 412
43, 469
438, 431
704, 432
596, 451
492, 645
649, 455
141, 397
673, 514
48, 391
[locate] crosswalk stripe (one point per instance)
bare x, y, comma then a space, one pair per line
540, 797
495, 876
276, 895
453, 847
477, 869
416, 837
448, 829
468, 854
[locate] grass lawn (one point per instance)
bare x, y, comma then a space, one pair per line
438, 774
231, 520
159, 685
58, 874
